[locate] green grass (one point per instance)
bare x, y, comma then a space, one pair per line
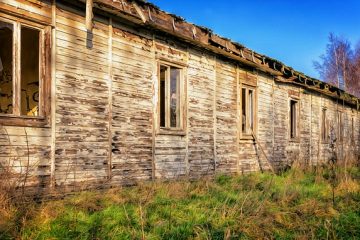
295, 205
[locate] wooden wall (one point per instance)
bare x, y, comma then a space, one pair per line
226, 118
131, 135
82, 78
201, 115
104, 129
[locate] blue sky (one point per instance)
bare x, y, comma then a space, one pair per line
292, 31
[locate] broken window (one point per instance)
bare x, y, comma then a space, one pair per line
24, 54
247, 110
324, 131
6, 67
170, 97
293, 119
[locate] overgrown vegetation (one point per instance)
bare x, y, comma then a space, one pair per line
294, 205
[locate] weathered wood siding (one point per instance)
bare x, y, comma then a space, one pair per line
39, 10
266, 118
201, 93
305, 140
132, 109
106, 95
226, 148
82, 77
273, 125
25, 156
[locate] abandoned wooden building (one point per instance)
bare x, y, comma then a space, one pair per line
111, 92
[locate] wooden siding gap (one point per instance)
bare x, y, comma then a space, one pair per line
155, 86
110, 83
186, 111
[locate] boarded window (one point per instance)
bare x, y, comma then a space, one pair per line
6, 67
170, 97
324, 131
293, 119
247, 110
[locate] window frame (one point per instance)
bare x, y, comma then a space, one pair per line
15, 118
248, 135
296, 102
168, 130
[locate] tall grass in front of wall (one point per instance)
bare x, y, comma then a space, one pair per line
294, 204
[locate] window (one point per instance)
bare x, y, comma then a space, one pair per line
324, 130
247, 110
293, 119
170, 97
352, 129
340, 126
24, 73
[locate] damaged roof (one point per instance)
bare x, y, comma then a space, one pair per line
151, 16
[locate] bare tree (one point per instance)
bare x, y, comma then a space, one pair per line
354, 81
340, 64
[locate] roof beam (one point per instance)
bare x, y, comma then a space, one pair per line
89, 15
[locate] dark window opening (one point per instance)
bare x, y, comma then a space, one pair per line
6, 68
251, 110
243, 110
340, 126
324, 135
163, 73
30, 77
293, 119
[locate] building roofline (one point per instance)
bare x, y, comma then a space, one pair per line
149, 15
